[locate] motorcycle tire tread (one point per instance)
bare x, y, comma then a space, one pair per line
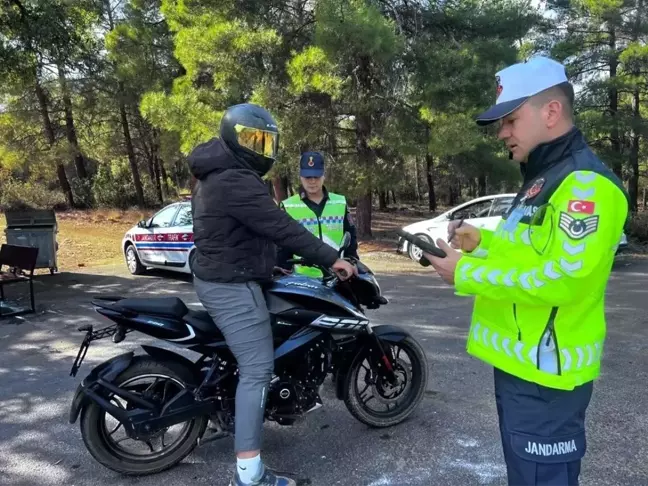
91, 416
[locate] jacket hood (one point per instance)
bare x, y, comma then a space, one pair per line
213, 155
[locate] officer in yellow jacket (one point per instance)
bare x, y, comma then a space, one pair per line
539, 279
324, 213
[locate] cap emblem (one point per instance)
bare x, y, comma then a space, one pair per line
310, 161
499, 86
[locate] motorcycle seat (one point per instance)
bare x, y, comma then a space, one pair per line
157, 306
202, 321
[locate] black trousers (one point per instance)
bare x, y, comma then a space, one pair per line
542, 429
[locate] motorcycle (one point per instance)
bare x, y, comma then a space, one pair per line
319, 328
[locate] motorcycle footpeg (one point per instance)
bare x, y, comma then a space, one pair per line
214, 435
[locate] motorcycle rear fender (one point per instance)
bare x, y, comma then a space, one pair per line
166, 355
385, 332
108, 371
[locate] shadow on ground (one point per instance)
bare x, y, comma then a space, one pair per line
452, 439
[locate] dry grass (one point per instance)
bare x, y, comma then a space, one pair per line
91, 239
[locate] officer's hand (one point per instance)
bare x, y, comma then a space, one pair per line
344, 270
445, 267
466, 237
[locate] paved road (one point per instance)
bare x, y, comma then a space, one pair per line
451, 440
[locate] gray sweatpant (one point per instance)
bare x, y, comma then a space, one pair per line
240, 312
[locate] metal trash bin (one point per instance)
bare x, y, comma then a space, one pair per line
36, 228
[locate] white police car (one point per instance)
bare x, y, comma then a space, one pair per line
163, 241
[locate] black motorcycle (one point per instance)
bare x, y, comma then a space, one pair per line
319, 327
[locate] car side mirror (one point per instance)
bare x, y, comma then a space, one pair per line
142, 224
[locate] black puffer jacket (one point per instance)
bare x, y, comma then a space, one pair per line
236, 223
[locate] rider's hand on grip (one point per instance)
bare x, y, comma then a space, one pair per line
344, 269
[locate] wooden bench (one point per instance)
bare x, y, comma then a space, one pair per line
19, 262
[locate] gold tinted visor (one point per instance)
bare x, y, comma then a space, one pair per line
259, 141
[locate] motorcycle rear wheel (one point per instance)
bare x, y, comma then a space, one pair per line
415, 384
106, 451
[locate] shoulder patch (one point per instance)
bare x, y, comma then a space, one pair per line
535, 188
577, 229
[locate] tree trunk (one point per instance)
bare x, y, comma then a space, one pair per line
130, 151
280, 192
635, 136
429, 161
481, 191
163, 175
613, 94
363, 216
48, 129
417, 185
70, 130
382, 200
158, 185
393, 196
366, 155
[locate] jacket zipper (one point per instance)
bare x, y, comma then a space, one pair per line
550, 327
516, 322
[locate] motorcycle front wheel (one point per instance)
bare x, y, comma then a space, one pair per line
376, 402
106, 438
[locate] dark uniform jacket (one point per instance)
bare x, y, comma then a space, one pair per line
237, 224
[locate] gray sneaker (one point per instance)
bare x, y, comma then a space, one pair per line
268, 479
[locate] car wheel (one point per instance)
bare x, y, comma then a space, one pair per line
414, 252
133, 263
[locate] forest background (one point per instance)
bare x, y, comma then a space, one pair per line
102, 100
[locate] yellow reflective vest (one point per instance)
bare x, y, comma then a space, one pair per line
329, 227
539, 279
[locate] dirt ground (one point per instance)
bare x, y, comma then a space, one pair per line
89, 239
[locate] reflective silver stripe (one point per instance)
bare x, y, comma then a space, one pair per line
583, 193
476, 331
584, 177
492, 276
505, 345
519, 347
580, 354
508, 280
463, 271
494, 341
533, 355
575, 358
549, 272
568, 360
571, 267
573, 249
526, 237
590, 354
479, 253
477, 274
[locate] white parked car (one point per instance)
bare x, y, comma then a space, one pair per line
163, 241
482, 212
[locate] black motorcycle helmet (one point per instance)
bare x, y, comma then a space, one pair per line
252, 135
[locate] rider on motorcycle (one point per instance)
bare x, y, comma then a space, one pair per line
236, 225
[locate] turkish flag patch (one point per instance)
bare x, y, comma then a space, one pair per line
586, 207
